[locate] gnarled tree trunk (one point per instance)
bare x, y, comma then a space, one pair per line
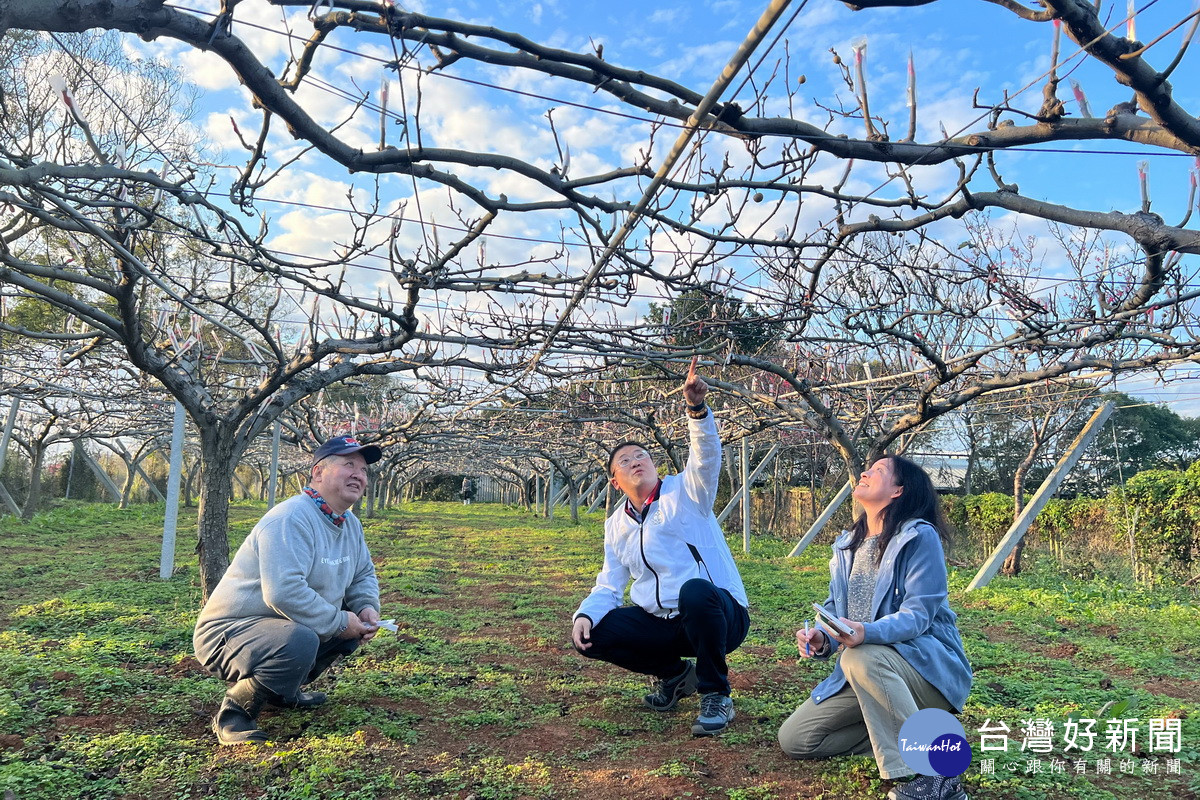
217, 461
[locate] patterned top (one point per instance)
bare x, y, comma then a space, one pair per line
336, 519
861, 587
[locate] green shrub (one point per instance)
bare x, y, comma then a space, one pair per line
955, 509
1164, 511
1065, 527
988, 517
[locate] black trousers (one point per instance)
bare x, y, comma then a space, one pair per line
710, 625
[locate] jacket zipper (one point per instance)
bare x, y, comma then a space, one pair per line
642, 547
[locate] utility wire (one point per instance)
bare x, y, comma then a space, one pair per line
670, 123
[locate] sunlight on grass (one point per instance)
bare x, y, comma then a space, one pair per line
481, 694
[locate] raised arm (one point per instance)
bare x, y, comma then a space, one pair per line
703, 469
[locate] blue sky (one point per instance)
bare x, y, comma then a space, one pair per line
958, 46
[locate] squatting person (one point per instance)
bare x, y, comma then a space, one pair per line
300, 593
688, 598
888, 583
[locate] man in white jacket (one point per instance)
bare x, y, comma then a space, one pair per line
688, 598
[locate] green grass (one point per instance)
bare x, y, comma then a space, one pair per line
481, 695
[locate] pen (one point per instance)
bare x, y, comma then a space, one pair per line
807, 649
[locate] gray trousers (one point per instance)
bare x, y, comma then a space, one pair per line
280, 654
865, 716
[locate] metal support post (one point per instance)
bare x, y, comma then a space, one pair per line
149, 481
745, 496
275, 435
601, 493
13, 405
1042, 496
753, 476
819, 522
105, 481
167, 561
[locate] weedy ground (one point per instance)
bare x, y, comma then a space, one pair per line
481, 696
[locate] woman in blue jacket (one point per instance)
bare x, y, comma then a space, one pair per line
888, 583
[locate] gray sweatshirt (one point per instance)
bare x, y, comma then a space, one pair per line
297, 565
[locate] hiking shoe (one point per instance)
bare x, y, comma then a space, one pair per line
716, 712
928, 787
667, 691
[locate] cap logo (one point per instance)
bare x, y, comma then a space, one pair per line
350, 441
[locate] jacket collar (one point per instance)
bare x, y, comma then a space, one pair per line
907, 531
638, 516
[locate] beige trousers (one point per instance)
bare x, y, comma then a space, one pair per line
865, 716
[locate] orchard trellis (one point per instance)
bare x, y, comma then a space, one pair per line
841, 287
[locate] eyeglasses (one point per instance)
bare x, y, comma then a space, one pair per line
625, 461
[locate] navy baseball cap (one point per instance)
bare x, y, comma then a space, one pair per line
344, 445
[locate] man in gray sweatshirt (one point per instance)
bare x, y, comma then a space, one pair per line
301, 591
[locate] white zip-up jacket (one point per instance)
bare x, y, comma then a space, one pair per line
655, 552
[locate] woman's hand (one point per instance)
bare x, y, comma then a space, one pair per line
851, 640
809, 641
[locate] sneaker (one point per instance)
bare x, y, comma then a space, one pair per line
716, 712
666, 692
928, 787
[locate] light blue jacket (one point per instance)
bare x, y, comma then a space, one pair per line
910, 611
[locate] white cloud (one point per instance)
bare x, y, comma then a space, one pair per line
699, 60
668, 16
